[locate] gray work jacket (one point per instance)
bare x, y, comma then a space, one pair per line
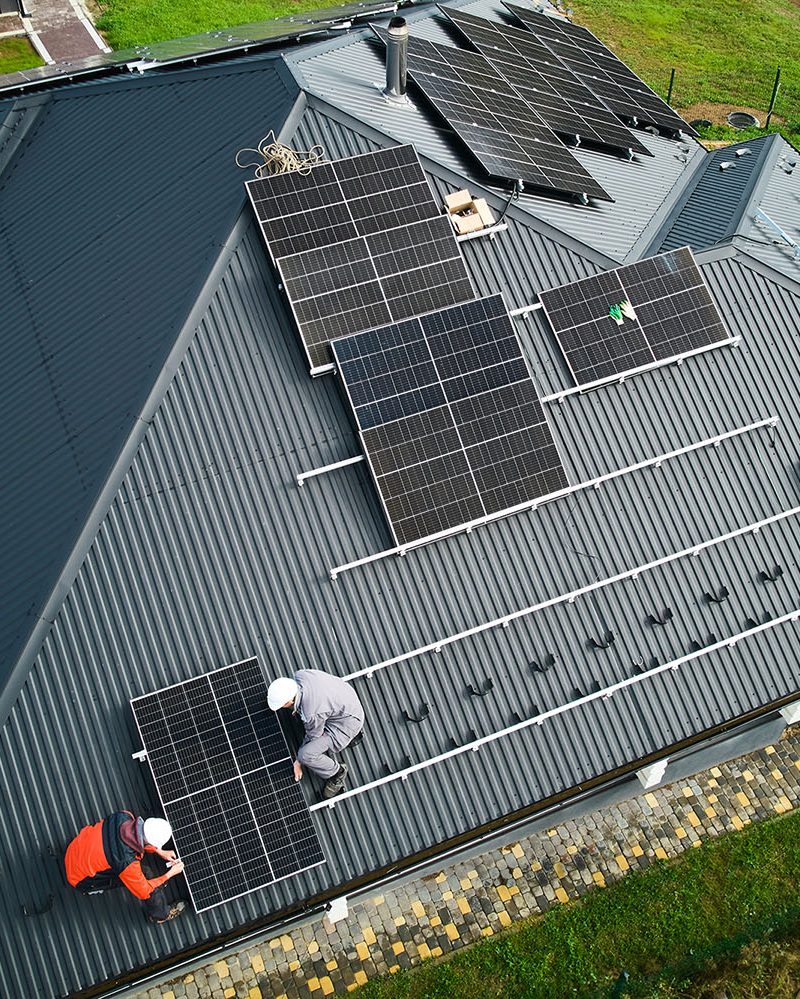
327, 705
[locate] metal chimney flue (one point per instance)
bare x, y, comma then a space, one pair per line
396, 59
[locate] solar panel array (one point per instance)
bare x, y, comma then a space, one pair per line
449, 418
566, 104
507, 135
606, 75
225, 780
359, 242
672, 313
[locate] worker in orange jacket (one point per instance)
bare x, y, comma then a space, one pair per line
109, 853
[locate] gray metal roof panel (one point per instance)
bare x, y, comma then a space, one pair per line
105, 244
779, 197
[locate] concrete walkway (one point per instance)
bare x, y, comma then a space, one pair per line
61, 30
426, 917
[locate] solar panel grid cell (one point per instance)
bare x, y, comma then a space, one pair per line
213, 747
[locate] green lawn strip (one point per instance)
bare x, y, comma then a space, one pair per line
725, 51
648, 920
17, 53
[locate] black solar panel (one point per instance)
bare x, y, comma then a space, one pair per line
669, 312
566, 105
608, 77
224, 777
449, 418
358, 242
508, 136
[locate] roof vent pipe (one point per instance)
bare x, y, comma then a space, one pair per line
396, 59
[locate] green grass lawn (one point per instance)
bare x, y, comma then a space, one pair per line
17, 53
648, 922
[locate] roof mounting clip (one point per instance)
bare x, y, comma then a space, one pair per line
638, 665
424, 712
719, 597
604, 642
752, 622
664, 617
542, 667
140, 757
485, 688
771, 575
696, 646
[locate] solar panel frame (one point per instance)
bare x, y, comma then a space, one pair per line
449, 418
566, 104
358, 243
212, 743
593, 62
675, 315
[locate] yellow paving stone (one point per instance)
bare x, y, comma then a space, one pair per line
400, 921
513, 890
424, 951
716, 772
312, 984
229, 993
651, 799
505, 919
687, 792
518, 852
352, 986
257, 964
363, 951
418, 909
293, 966
693, 819
661, 853
398, 947
552, 832
435, 921
487, 931
327, 986
748, 776
713, 783
440, 878
254, 993
190, 978
782, 805
446, 896
736, 822
281, 996
378, 900
710, 812
287, 943
503, 893
572, 849
517, 872
598, 878
394, 969
436, 951
169, 994
536, 866
697, 843
274, 944
561, 895
712, 799
331, 965
463, 906
465, 883
769, 750
360, 977
743, 800
776, 775
313, 947
636, 850
452, 931
560, 870
369, 936
680, 832
221, 969
797, 764
472, 875
622, 863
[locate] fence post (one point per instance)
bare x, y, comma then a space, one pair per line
671, 82
774, 95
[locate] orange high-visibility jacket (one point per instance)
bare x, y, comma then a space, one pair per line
100, 848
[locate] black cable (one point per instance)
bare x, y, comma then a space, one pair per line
518, 188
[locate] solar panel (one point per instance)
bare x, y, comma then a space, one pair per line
507, 135
449, 418
608, 77
224, 776
653, 310
568, 106
358, 243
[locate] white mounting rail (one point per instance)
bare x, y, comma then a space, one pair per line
604, 694
301, 478
595, 483
623, 376
573, 595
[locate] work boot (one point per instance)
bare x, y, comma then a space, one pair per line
335, 785
174, 911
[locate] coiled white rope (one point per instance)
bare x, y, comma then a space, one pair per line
273, 157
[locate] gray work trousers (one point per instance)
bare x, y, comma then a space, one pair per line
315, 754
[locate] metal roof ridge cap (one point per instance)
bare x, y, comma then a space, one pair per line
759, 181
30, 113
108, 491
746, 258
321, 104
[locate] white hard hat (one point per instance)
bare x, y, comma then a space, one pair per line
157, 832
281, 691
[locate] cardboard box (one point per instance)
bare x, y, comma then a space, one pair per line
465, 214
469, 221
458, 201
485, 212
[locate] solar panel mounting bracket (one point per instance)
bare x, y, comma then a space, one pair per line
140, 757
490, 231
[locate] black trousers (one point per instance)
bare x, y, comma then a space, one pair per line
155, 908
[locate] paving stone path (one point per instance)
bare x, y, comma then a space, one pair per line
433, 915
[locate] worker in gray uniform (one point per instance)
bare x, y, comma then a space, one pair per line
332, 716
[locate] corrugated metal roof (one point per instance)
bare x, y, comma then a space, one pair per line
779, 197
350, 74
114, 199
